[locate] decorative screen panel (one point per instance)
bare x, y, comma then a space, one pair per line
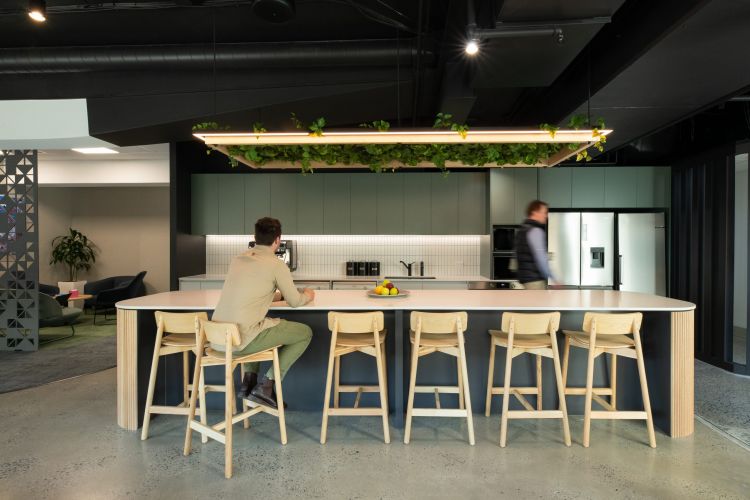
19, 242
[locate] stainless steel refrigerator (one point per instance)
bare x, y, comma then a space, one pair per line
642, 253
581, 248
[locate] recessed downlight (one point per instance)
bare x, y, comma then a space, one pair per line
95, 151
38, 10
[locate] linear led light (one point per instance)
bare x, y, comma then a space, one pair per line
38, 10
95, 151
402, 137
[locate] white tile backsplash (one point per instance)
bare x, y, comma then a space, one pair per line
327, 255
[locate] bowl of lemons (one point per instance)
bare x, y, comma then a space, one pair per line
386, 289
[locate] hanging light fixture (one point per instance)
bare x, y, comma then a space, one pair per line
38, 10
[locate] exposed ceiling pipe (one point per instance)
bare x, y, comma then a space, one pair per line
266, 55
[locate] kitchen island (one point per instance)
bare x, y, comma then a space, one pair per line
667, 334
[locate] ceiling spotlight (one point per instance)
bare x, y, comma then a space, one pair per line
38, 10
472, 47
95, 151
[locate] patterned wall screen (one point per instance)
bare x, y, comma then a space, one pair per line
19, 242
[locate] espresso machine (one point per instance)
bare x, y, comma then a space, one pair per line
287, 253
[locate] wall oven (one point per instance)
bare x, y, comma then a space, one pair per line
503, 252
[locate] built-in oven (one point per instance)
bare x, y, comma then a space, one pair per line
504, 252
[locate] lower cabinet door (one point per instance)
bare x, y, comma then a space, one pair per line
353, 285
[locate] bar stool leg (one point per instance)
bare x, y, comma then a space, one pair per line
381, 385
589, 393
279, 395
245, 406
613, 380
538, 382
385, 377
506, 393
490, 378
461, 404
197, 379
151, 385
412, 384
644, 390
467, 396
228, 414
185, 379
202, 402
566, 361
327, 398
336, 381
560, 390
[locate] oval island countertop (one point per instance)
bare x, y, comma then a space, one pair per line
440, 300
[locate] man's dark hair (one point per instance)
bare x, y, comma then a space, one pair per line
267, 229
533, 207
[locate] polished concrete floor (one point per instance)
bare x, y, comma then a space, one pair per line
61, 441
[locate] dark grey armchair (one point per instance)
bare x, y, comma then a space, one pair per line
125, 287
51, 313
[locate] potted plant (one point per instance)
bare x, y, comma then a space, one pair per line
77, 252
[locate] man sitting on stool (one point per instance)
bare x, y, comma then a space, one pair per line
254, 280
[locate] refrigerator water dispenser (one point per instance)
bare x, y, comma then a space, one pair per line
597, 257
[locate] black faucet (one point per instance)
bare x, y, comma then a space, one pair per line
407, 266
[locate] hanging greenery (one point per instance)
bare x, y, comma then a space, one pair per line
380, 156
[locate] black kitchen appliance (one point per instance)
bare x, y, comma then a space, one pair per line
504, 252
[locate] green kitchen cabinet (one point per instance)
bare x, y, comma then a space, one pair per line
526, 191
284, 201
310, 194
662, 186
336, 203
588, 187
231, 205
620, 187
555, 186
644, 186
472, 203
363, 203
417, 204
444, 214
390, 206
257, 199
502, 196
204, 204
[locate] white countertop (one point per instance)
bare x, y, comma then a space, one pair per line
312, 277
440, 300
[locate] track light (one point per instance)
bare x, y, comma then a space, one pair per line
38, 10
472, 47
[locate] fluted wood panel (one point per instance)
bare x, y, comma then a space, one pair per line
127, 369
683, 378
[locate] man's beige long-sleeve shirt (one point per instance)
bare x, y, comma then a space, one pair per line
248, 291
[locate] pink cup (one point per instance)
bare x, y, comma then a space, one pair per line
73, 293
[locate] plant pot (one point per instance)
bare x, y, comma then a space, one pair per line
67, 286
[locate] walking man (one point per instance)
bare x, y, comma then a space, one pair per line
531, 248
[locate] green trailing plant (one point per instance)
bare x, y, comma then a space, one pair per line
380, 156
74, 250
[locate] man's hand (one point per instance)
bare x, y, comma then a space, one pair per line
310, 294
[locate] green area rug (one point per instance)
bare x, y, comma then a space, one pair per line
91, 349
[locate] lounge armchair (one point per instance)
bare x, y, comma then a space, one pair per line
51, 313
105, 299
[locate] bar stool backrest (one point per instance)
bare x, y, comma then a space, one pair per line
218, 333
612, 324
439, 323
531, 323
178, 322
364, 322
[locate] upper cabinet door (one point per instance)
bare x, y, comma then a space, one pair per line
444, 203
555, 186
588, 187
336, 203
390, 203
204, 206
620, 187
284, 201
257, 199
417, 204
363, 203
231, 204
310, 193
472, 203
526, 191
502, 196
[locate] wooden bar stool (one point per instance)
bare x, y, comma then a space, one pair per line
610, 334
532, 334
175, 333
228, 335
356, 332
439, 332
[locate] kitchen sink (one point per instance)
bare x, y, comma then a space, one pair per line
410, 277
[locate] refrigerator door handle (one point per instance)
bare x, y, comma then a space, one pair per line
619, 270
585, 235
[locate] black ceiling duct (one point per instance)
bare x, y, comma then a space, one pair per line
274, 11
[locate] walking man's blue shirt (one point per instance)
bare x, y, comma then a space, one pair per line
538, 246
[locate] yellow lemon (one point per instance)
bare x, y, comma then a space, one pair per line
394, 291
378, 289
385, 282
384, 291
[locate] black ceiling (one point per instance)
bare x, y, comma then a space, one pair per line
150, 69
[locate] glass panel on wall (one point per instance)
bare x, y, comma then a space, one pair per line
739, 348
